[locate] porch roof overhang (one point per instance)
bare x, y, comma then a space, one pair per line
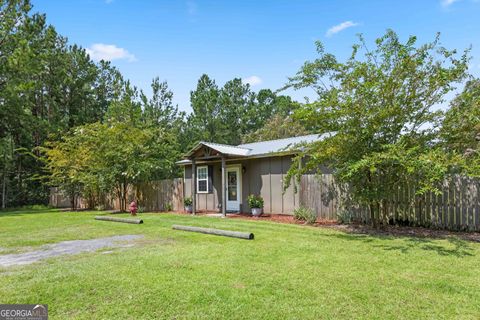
221, 149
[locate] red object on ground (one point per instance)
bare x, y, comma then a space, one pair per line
133, 208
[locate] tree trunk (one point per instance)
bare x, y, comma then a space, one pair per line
4, 188
72, 200
373, 220
4, 182
372, 204
119, 195
384, 212
125, 189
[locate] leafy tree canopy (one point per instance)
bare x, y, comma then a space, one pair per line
378, 106
461, 128
277, 127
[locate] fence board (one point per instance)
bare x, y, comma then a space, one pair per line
457, 206
151, 196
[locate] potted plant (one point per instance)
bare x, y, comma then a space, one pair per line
187, 202
256, 204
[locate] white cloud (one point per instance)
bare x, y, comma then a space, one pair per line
101, 51
252, 80
446, 3
340, 27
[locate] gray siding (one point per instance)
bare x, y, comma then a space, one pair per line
263, 176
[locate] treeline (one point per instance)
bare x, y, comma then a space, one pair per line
52, 94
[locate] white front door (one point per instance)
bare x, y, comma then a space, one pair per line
233, 189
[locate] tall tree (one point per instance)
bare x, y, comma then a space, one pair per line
46, 87
236, 102
379, 104
205, 120
160, 109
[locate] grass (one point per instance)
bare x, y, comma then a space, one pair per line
288, 271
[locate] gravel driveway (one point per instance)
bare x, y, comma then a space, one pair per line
67, 247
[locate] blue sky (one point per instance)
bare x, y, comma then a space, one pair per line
262, 42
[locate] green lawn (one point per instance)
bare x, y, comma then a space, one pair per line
288, 271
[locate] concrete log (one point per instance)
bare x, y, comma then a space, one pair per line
134, 221
218, 232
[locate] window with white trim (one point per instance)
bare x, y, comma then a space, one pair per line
202, 179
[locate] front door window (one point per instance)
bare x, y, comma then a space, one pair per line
232, 186
233, 189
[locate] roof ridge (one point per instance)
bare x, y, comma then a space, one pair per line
298, 137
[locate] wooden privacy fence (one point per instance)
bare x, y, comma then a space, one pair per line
160, 195
457, 207
163, 195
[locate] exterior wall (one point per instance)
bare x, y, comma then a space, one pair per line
263, 176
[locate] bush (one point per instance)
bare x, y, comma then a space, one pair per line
305, 214
345, 217
168, 207
187, 202
255, 201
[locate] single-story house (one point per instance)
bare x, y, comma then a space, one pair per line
253, 168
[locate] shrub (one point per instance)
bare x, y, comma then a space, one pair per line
305, 214
255, 201
168, 207
187, 201
345, 217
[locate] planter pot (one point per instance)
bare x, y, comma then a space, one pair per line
188, 209
256, 212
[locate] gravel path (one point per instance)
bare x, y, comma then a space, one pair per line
66, 247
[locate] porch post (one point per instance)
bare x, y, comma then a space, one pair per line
194, 187
224, 190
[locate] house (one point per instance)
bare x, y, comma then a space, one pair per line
254, 168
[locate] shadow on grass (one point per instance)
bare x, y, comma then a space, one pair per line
22, 212
457, 248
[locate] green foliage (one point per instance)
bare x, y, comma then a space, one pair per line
305, 214
108, 158
255, 201
187, 201
277, 127
226, 114
378, 107
345, 217
460, 130
204, 122
168, 207
46, 88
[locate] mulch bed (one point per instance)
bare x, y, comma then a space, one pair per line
395, 231
404, 231
282, 218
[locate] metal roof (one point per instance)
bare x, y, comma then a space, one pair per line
279, 145
261, 148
